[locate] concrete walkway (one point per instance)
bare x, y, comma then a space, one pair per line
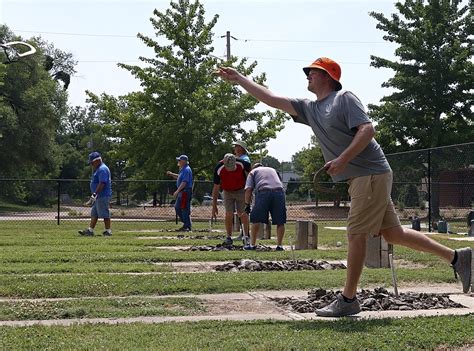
257, 306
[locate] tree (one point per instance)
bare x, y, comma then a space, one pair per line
183, 107
59, 64
433, 79
31, 106
308, 160
271, 161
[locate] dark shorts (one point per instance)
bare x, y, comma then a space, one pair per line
272, 202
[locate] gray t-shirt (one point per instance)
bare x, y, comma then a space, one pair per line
334, 120
263, 178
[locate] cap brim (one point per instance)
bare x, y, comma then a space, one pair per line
95, 159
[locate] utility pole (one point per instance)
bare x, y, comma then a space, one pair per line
228, 36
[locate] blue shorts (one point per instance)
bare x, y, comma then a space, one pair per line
100, 209
265, 202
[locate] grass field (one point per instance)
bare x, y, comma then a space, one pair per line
85, 278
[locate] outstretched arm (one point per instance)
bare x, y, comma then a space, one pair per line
256, 90
172, 175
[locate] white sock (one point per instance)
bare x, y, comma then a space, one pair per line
109, 231
91, 229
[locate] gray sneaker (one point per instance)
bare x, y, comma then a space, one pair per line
462, 267
106, 233
228, 241
339, 308
86, 232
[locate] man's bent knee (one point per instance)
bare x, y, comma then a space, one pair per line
392, 234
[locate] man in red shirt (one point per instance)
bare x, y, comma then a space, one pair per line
230, 175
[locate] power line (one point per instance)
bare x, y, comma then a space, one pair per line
241, 57
298, 60
244, 39
77, 34
315, 41
228, 36
108, 61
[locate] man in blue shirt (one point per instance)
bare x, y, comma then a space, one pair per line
101, 189
184, 192
241, 151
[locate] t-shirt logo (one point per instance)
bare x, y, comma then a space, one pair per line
328, 108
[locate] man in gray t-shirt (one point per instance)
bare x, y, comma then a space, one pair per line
351, 153
335, 121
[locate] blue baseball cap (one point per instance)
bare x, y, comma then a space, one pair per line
182, 158
94, 156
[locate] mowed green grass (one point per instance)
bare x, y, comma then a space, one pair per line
43, 260
441, 333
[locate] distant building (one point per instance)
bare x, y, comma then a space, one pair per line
288, 176
456, 188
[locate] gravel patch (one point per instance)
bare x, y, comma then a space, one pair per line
297, 265
379, 299
221, 247
207, 237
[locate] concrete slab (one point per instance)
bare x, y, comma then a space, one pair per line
467, 238
256, 305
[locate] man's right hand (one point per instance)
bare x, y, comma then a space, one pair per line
91, 200
229, 74
248, 209
215, 211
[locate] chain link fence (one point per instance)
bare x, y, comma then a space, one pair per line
431, 187
435, 186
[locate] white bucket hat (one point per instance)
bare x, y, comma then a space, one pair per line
242, 144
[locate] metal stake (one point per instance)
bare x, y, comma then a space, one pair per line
394, 275
290, 237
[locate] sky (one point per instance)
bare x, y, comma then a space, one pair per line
282, 36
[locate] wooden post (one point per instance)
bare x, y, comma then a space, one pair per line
378, 251
472, 271
306, 235
312, 236
268, 231
264, 231
236, 223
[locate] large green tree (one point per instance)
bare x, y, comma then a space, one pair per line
434, 77
183, 108
31, 107
433, 83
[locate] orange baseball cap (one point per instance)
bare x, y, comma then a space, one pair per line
328, 65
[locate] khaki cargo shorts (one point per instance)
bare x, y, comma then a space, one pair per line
371, 205
234, 201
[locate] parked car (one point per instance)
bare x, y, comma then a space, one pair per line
207, 200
